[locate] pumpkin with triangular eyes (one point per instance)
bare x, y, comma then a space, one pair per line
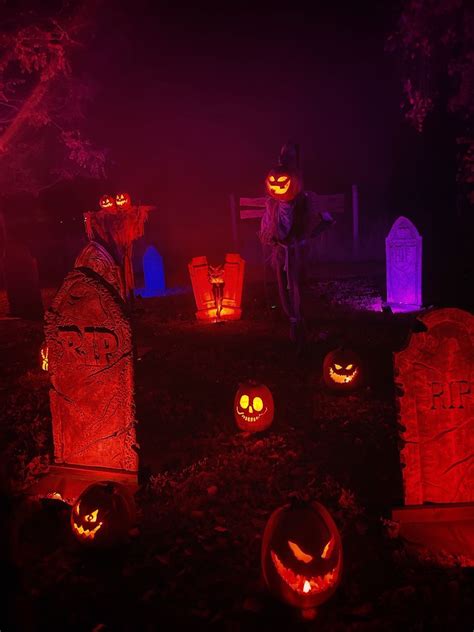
123, 200
107, 203
253, 407
342, 370
301, 554
283, 184
103, 514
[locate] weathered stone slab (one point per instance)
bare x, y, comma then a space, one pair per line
436, 409
95, 257
91, 370
403, 259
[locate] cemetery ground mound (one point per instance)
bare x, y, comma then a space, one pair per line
207, 490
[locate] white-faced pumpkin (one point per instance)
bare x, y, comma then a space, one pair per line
301, 554
342, 370
253, 407
103, 514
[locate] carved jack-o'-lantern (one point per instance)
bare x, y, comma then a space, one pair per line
103, 514
107, 202
253, 407
283, 184
123, 200
342, 370
44, 356
302, 554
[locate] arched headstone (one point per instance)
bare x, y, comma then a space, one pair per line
403, 261
436, 403
153, 274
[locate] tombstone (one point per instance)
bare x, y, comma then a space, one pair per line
435, 377
22, 282
96, 258
403, 261
153, 274
91, 370
234, 268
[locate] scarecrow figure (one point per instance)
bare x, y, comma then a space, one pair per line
290, 219
116, 226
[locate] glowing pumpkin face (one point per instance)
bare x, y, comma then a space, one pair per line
123, 200
103, 514
283, 184
44, 356
342, 370
302, 554
107, 202
253, 407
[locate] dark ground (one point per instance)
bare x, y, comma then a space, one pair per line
207, 489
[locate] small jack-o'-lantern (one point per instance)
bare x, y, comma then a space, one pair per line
283, 184
107, 202
103, 514
44, 356
123, 200
253, 407
302, 554
342, 370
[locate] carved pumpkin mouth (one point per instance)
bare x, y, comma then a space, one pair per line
300, 583
279, 189
251, 418
342, 378
86, 533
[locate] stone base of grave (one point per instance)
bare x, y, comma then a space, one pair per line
439, 529
402, 308
70, 480
227, 313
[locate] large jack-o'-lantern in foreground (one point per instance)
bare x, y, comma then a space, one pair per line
103, 515
302, 554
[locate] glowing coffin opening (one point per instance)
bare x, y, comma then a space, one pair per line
229, 307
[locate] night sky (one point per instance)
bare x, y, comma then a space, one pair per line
195, 102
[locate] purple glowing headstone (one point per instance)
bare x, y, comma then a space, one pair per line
403, 254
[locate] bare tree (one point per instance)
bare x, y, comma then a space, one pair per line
42, 100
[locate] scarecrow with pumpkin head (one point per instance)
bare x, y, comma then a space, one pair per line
289, 220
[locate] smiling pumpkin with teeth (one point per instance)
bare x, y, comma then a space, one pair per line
302, 554
342, 370
103, 514
253, 407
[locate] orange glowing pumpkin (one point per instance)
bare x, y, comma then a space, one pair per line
283, 184
107, 202
301, 554
123, 200
342, 370
253, 407
103, 515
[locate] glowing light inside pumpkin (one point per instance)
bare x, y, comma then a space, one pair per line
87, 533
299, 553
328, 549
301, 584
255, 409
342, 378
281, 187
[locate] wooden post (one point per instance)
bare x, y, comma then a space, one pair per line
355, 222
233, 216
